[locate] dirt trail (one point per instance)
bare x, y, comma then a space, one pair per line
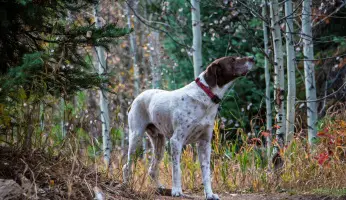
280, 196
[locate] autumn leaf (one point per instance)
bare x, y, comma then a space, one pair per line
256, 141
265, 134
322, 158
276, 126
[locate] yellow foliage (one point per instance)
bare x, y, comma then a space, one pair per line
123, 45
5, 119
131, 71
22, 94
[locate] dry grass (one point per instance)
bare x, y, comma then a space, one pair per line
246, 170
66, 171
74, 175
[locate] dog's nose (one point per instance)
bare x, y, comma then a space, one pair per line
251, 59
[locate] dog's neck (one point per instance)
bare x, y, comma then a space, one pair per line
219, 91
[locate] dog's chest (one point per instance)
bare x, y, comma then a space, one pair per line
195, 123
198, 131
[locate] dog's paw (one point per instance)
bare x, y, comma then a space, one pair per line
212, 197
177, 192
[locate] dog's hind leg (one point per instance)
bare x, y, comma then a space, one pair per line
136, 133
158, 143
134, 139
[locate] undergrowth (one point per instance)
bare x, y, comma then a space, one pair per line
305, 169
73, 164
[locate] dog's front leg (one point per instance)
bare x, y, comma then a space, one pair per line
176, 147
204, 151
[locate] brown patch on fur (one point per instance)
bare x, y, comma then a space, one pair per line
223, 70
211, 74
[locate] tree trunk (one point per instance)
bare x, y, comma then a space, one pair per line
154, 41
133, 45
62, 98
132, 5
102, 68
197, 38
62, 117
145, 31
291, 77
267, 80
196, 47
309, 70
279, 82
29, 127
42, 110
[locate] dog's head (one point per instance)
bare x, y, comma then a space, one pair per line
224, 70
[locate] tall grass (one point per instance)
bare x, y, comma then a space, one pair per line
245, 169
239, 165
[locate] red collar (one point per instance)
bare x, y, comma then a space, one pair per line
206, 89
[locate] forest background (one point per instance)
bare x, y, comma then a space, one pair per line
70, 69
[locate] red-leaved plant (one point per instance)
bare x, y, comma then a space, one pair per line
332, 143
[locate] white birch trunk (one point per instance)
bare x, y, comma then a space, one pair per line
62, 117
197, 38
196, 47
42, 109
102, 68
291, 78
267, 80
309, 70
154, 41
279, 82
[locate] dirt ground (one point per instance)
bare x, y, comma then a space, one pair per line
254, 196
52, 178
281, 196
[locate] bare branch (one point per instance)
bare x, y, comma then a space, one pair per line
335, 11
320, 99
153, 27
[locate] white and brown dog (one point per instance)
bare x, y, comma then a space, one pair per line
183, 116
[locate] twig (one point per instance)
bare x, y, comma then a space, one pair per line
300, 101
33, 176
326, 58
335, 11
89, 188
110, 190
96, 168
158, 29
292, 14
254, 12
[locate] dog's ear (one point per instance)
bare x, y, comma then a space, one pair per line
212, 73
